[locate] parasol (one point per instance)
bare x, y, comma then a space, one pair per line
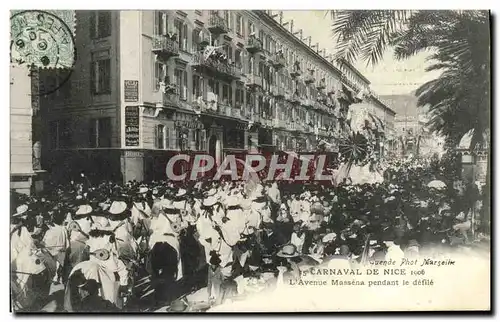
354, 148
437, 184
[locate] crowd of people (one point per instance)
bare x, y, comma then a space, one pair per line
103, 241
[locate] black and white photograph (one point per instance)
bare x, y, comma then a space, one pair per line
243, 161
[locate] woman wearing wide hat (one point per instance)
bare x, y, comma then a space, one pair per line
288, 268
119, 223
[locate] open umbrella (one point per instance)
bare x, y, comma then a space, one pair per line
437, 184
354, 148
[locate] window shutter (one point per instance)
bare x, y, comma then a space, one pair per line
184, 36
92, 25
185, 86
167, 138
157, 136
164, 23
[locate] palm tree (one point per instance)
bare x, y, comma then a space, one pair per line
459, 43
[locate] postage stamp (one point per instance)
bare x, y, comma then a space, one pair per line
43, 39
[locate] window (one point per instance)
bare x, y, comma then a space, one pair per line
229, 52
160, 72
261, 35
100, 24
227, 17
196, 39
181, 82
200, 139
251, 28
100, 133
160, 23
237, 58
101, 73
160, 136
181, 31
60, 134
214, 88
197, 87
239, 25
227, 94
239, 96
168, 144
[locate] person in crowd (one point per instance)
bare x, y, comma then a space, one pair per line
215, 279
298, 237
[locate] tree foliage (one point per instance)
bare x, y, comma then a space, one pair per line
459, 46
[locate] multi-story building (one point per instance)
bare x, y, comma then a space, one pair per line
150, 84
411, 134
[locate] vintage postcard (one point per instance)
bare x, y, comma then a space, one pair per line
250, 160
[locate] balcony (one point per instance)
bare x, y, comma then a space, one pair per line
307, 102
279, 124
279, 60
165, 47
309, 78
321, 85
217, 25
295, 72
266, 54
215, 67
295, 99
254, 82
266, 121
323, 132
254, 45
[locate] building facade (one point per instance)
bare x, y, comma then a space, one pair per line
412, 138
26, 174
150, 84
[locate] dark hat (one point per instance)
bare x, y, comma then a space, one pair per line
215, 259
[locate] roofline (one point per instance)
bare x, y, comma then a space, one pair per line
268, 19
355, 70
383, 104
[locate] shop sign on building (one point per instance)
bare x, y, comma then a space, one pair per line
132, 126
131, 89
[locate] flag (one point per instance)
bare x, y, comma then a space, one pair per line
209, 50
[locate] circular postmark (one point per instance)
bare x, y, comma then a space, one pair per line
42, 40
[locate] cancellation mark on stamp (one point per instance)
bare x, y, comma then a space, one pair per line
41, 39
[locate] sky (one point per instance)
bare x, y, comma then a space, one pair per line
388, 77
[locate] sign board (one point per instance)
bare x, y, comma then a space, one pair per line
131, 89
132, 126
189, 124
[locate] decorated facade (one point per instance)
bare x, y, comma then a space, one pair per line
199, 81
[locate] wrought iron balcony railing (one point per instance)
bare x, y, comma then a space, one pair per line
165, 46
215, 66
279, 60
254, 45
254, 81
217, 24
321, 85
309, 78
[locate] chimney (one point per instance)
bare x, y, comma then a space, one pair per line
317, 47
281, 17
291, 26
309, 41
